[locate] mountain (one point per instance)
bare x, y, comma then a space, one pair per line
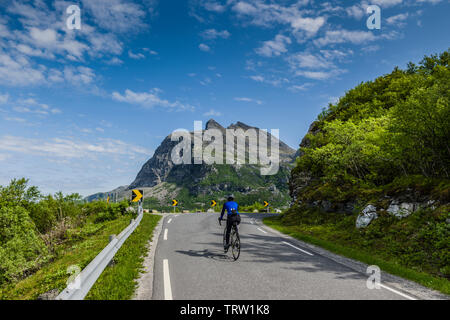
194, 185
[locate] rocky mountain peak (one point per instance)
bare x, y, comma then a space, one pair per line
213, 124
240, 125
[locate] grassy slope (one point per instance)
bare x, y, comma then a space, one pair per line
79, 250
338, 240
118, 281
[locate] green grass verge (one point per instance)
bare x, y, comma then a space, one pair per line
81, 247
118, 282
369, 258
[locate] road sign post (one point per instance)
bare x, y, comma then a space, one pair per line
266, 205
174, 204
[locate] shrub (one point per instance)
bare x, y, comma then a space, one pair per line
21, 248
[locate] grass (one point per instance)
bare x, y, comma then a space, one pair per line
79, 249
331, 243
118, 282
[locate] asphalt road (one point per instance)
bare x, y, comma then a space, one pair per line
190, 264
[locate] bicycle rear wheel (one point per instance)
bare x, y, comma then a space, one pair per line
235, 244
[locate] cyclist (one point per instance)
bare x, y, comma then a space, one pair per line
233, 216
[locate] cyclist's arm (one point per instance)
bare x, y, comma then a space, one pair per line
223, 211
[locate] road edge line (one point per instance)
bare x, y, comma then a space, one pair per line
167, 284
144, 288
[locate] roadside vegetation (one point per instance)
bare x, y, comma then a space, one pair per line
42, 235
384, 140
118, 282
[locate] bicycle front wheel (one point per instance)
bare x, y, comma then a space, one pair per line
235, 245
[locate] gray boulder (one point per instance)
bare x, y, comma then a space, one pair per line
401, 210
368, 214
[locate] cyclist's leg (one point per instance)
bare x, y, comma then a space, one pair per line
229, 225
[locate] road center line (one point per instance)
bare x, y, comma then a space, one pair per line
261, 230
165, 234
397, 292
167, 286
297, 248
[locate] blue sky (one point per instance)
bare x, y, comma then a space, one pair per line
82, 110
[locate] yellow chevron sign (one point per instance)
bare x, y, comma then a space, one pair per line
213, 203
174, 203
266, 204
137, 195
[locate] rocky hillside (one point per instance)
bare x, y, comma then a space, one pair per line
195, 184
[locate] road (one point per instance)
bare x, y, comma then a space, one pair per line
190, 264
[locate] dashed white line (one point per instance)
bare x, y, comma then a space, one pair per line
397, 292
297, 248
167, 286
261, 230
165, 234
170, 220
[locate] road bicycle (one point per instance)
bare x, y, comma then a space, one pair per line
235, 240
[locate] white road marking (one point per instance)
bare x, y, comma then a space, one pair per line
297, 248
397, 292
167, 286
169, 220
261, 230
165, 234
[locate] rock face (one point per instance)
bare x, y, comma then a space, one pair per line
401, 210
160, 168
368, 214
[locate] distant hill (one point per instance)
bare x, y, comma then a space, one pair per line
195, 185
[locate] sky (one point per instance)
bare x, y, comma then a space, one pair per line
81, 110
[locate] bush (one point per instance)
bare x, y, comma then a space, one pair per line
21, 249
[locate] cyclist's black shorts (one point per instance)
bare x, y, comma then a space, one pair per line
232, 218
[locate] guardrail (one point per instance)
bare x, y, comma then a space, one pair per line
80, 286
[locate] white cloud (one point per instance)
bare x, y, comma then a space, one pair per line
261, 13
276, 82
386, 3
214, 6
344, 36
298, 88
398, 20
204, 47
212, 113
211, 34
245, 99
356, 11
117, 15
319, 75
4, 98
318, 66
149, 100
137, 56
79, 75
18, 71
257, 78
68, 148
30, 105
274, 47
308, 60
15, 119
